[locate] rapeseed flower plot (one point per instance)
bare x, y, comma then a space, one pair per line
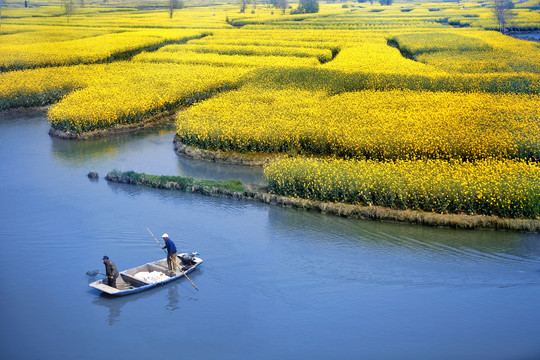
274, 38
250, 48
337, 81
323, 55
123, 94
215, 59
368, 124
417, 43
505, 188
526, 18
37, 87
472, 51
35, 34
376, 56
84, 50
126, 16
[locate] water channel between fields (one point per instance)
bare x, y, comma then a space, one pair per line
276, 282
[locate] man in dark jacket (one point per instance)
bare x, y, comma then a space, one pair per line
111, 271
171, 252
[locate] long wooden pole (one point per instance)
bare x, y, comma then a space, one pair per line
174, 262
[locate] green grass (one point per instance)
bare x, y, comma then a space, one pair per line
173, 182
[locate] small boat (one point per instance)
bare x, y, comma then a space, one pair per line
147, 276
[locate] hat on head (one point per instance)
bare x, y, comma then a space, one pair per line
105, 257
165, 236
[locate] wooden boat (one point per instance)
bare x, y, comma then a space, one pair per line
127, 283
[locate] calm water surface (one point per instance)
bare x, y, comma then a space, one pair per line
276, 283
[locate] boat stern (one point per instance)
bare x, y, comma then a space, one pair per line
101, 286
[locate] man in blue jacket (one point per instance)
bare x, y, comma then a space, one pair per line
171, 252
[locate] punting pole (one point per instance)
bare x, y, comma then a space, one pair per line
173, 260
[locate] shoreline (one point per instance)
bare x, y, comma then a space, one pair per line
23, 109
223, 157
118, 129
379, 213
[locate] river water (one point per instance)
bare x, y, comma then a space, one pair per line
277, 283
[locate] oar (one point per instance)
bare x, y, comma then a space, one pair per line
174, 262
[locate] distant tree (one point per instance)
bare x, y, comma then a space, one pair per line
173, 5
502, 9
0, 14
82, 2
282, 4
243, 5
69, 7
385, 2
306, 7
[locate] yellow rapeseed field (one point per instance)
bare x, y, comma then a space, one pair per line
505, 188
471, 51
215, 59
42, 52
121, 94
368, 124
413, 112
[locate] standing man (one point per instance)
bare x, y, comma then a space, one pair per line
111, 271
171, 252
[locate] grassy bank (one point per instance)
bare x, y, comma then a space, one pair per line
235, 189
206, 187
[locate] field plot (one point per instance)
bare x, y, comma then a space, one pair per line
130, 94
368, 124
493, 187
35, 49
423, 97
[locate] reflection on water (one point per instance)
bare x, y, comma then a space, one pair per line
75, 152
172, 297
207, 170
150, 151
114, 304
134, 191
378, 253
507, 246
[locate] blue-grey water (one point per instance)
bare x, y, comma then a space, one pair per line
528, 36
277, 283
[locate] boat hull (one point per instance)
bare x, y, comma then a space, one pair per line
128, 284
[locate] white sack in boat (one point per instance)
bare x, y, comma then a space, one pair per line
151, 277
